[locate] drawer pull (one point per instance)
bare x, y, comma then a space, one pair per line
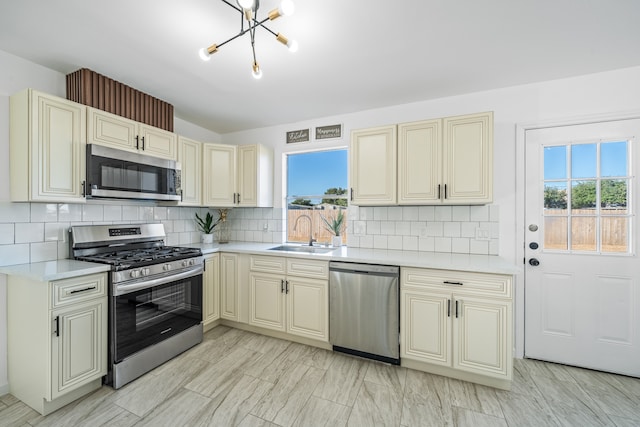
447, 282
77, 291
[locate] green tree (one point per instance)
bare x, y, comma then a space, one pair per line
613, 193
554, 198
583, 195
303, 202
338, 192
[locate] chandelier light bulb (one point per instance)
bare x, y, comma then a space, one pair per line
286, 8
204, 54
246, 4
257, 72
293, 46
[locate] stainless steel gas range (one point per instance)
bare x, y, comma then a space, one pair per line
155, 295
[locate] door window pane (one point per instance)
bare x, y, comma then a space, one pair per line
583, 233
583, 196
555, 233
614, 234
583, 161
555, 198
613, 196
555, 162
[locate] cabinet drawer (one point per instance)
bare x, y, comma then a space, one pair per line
78, 289
308, 268
481, 284
267, 264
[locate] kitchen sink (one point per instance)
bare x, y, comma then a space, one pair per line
299, 248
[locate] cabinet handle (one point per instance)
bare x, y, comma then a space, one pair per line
137, 142
84, 188
439, 191
282, 286
143, 148
77, 291
238, 198
456, 309
446, 282
286, 286
448, 308
56, 321
234, 198
445, 191
352, 194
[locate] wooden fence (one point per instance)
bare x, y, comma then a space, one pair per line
298, 226
613, 230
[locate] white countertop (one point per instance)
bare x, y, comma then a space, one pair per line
438, 260
66, 268
54, 270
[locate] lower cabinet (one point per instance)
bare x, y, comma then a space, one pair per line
211, 289
57, 339
289, 295
458, 320
229, 286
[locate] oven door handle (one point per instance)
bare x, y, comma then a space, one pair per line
127, 289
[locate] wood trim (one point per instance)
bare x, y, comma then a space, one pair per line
95, 90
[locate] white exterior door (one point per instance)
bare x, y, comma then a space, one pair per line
582, 273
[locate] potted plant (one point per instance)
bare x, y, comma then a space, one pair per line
335, 226
206, 225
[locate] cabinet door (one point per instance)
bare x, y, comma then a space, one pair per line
425, 327
266, 301
229, 286
79, 348
219, 175
211, 289
157, 142
57, 163
482, 337
420, 163
248, 175
190, 158
308, 308
111, 131
373, 166
468, 159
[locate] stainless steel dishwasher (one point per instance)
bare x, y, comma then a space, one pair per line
364, 310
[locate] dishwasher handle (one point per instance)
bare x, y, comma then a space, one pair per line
372, 269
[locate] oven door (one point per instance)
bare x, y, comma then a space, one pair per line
119, 174
147, 315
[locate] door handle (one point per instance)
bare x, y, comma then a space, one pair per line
534, 262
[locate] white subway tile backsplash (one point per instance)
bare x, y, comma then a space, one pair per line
468, 229
451, 229
160, 213
15, 212
394, 243
388, 228
173, 213
442, 244
394, 213
410, 213
69, 213
381, 213
460, 213
359, 228
479, 213
29, 232
44, 212
92, 213
403, 228
380, 242
494, 213
460, 245
366, 213
56, 231
409, 243
7, 234
426, 213
44, 251
479, 247
435, 229
145, 213
426, 244
130, 213
112, 213
14, 254
443, 213
373, 227
418, 228
366, 242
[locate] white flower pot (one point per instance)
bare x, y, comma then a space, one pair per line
207, 238
336, 241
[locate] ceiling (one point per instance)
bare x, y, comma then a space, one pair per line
354, 55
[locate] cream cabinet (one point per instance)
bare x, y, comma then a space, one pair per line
190, 158
289, 295
121, 133
229, 283
47, 148
211, 289
442, 161
458, 321
373, 167
237, 175
57, 339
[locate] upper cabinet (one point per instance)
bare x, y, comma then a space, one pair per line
190, 158
373, 166
118, 132
443, 161
47, 148
237, 175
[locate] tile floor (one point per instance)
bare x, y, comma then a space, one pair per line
240, 378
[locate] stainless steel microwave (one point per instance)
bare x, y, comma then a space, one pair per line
118, 174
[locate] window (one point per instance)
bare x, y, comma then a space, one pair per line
586, 188
316, 195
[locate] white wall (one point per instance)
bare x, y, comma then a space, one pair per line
596, 94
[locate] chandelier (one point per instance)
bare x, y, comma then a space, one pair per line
248, 23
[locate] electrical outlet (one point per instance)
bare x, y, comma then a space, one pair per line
482, 234
265, 227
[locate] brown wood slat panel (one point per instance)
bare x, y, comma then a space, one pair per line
95, 90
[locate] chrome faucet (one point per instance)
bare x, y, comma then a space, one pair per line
295, 226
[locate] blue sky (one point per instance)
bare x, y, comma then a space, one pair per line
613, 160
315, 172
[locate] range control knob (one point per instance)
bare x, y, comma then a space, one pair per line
192, 262
145, 271
166, 267
185, 263
134, 274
